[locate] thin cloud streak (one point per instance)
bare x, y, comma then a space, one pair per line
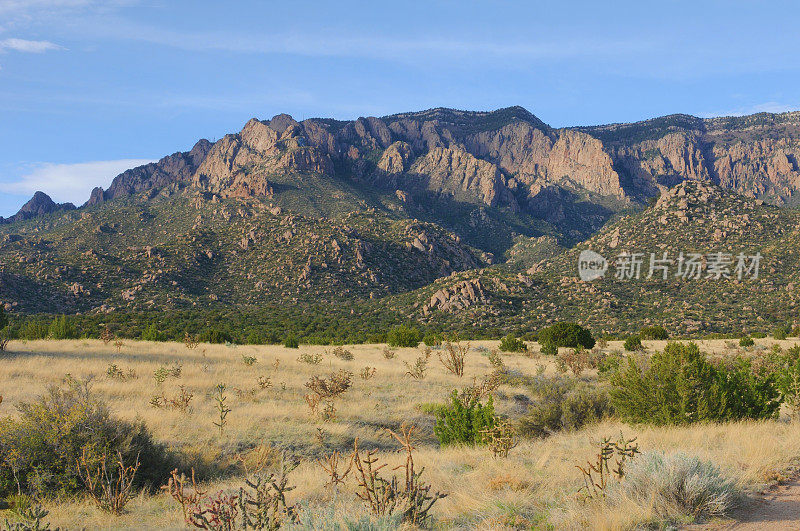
369, 47
26, 46
70, 182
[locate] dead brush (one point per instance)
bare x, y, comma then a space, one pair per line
388, 353
412, 498
106, 336
327, 390
368, 372
179, 402
495, 359
118, 344
246, 394
576, 360
116, 373
481, 389
453, 357
190, 341
343, 354
264, 382
110, 488
597, 473
3, 343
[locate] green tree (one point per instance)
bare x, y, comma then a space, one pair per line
566, 335
152, 333
62, 328
403, 336
512, 344
680, 386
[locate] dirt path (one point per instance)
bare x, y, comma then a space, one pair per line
776, 509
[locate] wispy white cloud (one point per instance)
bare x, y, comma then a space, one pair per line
69, 182
380, 47
26, 46
18, 6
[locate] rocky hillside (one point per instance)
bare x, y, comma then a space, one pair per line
692, 288
325, 210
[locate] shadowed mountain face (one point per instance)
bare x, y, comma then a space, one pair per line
325, 209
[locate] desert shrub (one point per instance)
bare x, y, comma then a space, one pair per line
495, 359
610, 462
61, 328
576, 360
291, 342
633, 344
432, 340
152, 333
311, 359
746, 341
462, 422
166, 371
33, 330
3, 317
564, 335
549, 349
758, 335
255, 337
326, 391
795, 332
678, 487
249, 361
563, 404
343, 354
408, 495
609, 364
653, 332
41, 449
680, 386
214, 335
786, 368
512, 344
420, 366
403, 336
779, 334
260, 503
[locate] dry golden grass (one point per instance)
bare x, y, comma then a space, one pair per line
537, 484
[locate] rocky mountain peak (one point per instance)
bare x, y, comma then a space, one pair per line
38, 205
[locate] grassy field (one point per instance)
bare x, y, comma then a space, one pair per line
536, 486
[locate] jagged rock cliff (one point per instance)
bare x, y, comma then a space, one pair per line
506, 159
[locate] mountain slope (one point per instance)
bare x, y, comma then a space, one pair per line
412, 208
692, 217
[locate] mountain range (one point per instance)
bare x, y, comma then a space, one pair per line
443, 216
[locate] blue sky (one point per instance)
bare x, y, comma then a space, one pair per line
88, 88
